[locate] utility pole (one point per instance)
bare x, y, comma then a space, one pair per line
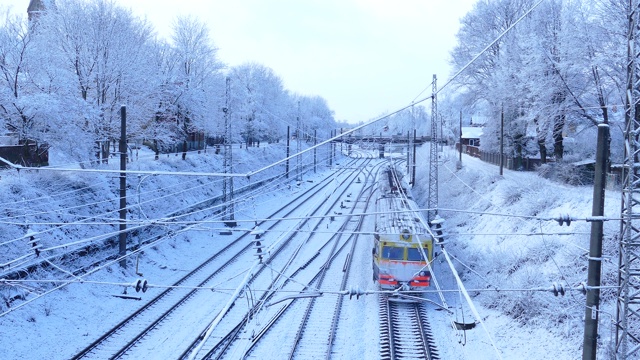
590, 344
408, 152
460, 142
122, 236
286, 167
333, 152
331, 145
413, 171
433, 155
501, 141
315, 153
298, 147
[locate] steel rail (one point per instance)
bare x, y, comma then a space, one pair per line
318, 187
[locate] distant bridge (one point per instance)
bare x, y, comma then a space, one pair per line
388, 139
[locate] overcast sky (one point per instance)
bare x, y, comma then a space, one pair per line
365, 57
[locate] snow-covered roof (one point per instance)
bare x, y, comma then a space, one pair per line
8, 140
584, 162
471, 132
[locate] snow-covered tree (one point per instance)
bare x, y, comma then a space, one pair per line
552, 74
316, 116
15, 40
261, 107
192, 82
100, 54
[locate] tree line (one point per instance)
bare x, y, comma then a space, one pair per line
554, 76
66, 71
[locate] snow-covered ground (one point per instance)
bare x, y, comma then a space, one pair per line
499, 232
491, 222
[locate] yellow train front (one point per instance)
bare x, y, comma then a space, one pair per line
400, 261
403, 247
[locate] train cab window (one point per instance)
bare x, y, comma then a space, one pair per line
392, 253
415, 254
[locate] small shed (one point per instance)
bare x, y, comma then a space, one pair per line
471, 135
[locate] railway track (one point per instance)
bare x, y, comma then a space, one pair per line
228, 345
315, 324
129, 333
404, 331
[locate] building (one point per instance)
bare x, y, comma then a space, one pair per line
471, 135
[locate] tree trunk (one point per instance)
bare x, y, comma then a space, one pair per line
543, 151
558, 145
541, 143
155, 149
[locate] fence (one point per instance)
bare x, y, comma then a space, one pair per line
27, 153
509, 162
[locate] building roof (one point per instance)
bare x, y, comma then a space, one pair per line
471, 132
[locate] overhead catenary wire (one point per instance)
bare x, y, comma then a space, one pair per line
13, 262
160, 221
166, 222
84, 205
91, 271
557, 219
465, 293
107, 264
164, 196
580, 288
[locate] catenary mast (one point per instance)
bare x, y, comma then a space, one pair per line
432, 202
628, 300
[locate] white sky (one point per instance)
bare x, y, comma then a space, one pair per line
365, 57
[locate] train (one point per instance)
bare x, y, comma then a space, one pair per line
402, 246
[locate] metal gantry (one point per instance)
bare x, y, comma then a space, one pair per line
628, 300
433, 155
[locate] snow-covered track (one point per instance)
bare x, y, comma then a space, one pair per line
126, 334
315, 324
404, 331
236, 314
228, 346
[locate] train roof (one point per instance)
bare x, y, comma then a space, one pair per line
396, 211
397, 215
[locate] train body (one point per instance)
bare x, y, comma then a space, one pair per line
402, 246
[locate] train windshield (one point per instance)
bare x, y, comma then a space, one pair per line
392, 253
415, 254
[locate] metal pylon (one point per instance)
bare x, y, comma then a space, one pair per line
628, 300
433, 155
227, 163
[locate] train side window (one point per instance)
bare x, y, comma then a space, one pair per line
392, 253
415, 255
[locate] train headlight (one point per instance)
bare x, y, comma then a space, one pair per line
422, 273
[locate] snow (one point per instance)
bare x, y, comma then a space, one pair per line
489, 220
471, 132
